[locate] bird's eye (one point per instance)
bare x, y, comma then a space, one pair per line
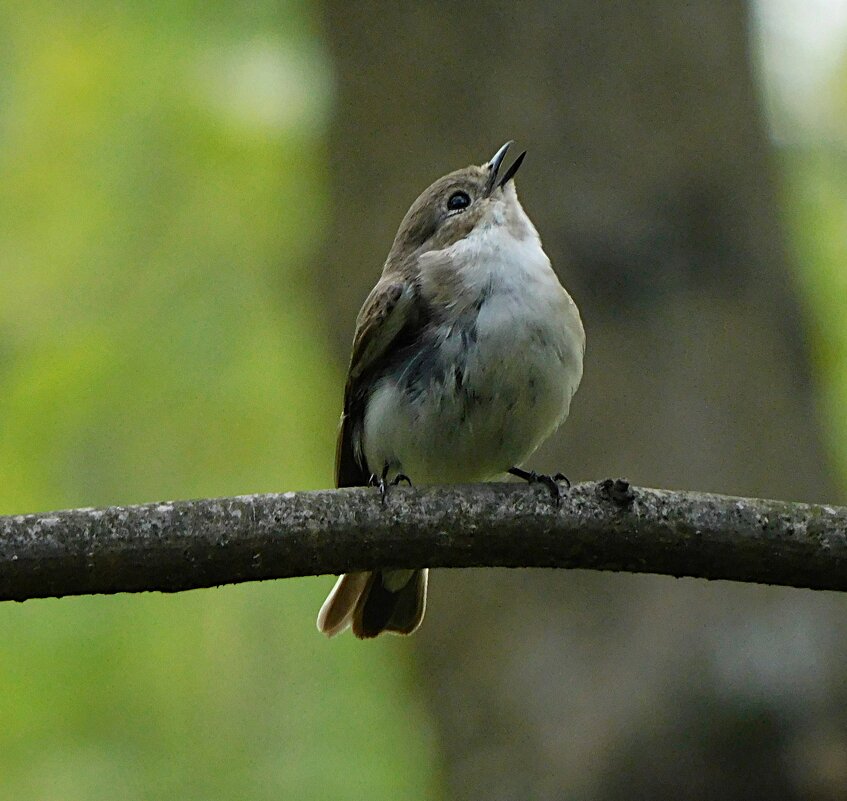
458, 201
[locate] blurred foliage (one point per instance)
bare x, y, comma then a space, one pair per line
814, 184
162, 193
815, 203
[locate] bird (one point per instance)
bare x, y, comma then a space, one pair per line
465, 358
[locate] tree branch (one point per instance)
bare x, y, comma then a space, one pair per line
604, 526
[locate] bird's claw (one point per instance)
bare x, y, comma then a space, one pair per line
551, 482
561, 477
380, 482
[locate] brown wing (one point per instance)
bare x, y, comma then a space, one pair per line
390, 309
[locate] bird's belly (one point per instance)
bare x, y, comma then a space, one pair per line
468, 408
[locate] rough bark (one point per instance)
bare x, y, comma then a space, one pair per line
185, 545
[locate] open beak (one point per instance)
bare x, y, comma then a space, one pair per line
497, 161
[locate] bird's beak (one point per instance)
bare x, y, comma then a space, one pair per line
496, 162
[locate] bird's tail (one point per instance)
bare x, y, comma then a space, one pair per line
384, 600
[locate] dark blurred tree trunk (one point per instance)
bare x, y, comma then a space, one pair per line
649, 177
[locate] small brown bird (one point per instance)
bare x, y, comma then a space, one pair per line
466, 355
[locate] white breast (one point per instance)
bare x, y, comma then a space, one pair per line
493, 394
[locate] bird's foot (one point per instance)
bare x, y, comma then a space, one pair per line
551, 482
378, 481
382, 484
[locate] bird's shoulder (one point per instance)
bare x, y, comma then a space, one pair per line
390, 307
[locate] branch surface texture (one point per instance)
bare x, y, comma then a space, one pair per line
608, 525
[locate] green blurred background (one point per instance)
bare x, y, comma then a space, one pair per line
164, 195
161, 181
